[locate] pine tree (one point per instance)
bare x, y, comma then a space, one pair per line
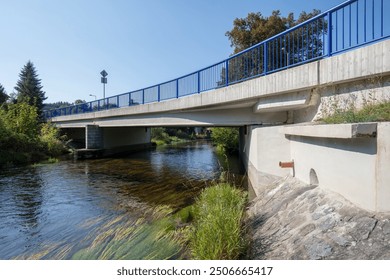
3, 95
29, 89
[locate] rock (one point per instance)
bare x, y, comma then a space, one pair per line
386, 227
299, 222
364, 227
339, 239
329, 223
307, 229
318, 249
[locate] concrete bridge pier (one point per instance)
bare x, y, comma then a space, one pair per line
93, 137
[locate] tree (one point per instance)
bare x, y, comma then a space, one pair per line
3, 95
300, 45
29, 89
255, 28
79, 101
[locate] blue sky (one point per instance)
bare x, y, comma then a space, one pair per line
138, 42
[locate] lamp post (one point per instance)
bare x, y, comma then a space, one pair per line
104, 82
287, 53
93, 95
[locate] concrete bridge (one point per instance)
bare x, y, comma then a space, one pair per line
274, 91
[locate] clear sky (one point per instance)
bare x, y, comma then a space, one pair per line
138, 42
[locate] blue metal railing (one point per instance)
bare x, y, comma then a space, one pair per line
349, 25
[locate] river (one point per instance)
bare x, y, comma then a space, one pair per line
62, 210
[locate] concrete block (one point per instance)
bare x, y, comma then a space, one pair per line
345, 131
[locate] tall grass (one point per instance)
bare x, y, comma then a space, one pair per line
136, 240
153, 236
217, 230
369, 113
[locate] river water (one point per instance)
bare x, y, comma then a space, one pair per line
54, 211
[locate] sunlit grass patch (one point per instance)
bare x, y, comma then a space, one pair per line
135, 240
217, 230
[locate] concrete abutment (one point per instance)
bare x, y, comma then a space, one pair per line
349, 159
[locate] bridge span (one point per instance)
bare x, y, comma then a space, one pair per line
275, 91
301, 91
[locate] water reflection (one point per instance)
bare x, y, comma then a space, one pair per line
51, 211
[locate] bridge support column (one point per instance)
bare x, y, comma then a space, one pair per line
93, 137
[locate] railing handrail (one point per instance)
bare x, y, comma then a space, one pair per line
299, 57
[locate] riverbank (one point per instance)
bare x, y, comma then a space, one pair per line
292, 220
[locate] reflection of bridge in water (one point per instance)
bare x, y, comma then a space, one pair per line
338, 57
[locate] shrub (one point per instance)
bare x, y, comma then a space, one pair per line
51, 140
21, 118
226, 137
22, 139
159, 135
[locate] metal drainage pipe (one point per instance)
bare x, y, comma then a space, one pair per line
286, 164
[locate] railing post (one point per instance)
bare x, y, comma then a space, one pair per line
177, 88
143, 96
117, 101
130, 101
330, 34
265, 58
227, 72
158, 93
198, 81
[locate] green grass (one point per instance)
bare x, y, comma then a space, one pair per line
137, 240
369, 113
170, 140
217, 229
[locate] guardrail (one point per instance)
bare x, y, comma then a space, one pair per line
349, 25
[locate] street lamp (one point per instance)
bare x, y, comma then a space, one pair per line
93, 95
287, 53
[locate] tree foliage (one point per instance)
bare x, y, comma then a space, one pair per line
21, 118
23, 139
56, 105
226, 137
3, 95
29, 88
255, 27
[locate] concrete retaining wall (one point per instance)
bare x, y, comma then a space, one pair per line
262, 148
350, 159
